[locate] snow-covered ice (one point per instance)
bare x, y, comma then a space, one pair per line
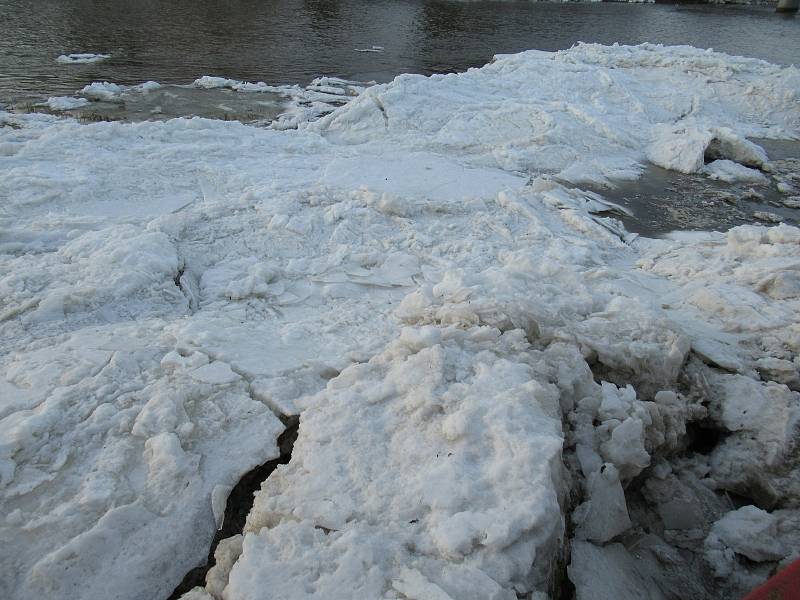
482, 362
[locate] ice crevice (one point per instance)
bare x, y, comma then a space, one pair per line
237, 505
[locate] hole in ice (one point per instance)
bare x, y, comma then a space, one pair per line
702, 439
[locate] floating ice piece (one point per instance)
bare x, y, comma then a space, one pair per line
81, 58
768, 217
60, 103
103, 90
209, 82
729, 171
146, 87
791, 202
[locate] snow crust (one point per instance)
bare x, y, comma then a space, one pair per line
468, 341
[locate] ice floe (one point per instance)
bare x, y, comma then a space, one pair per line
492, 377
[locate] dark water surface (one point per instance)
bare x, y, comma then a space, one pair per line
293, 41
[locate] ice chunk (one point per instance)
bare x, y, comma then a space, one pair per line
604, 515
609, 573
748, 531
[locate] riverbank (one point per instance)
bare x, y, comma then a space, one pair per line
496, 383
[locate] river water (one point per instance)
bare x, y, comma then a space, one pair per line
293, 41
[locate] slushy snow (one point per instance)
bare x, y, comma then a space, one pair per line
481, 360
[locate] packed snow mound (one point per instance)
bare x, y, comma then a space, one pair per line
81, 58
460, 463
538, 111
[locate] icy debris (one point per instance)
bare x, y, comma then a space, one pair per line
147, 440
81, 58
216, 373
146, 87
764, 539
303, 104
628, 430
197, 593
278, 393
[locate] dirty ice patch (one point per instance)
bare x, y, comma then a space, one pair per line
81, 58
420, 175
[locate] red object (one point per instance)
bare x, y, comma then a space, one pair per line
784, 585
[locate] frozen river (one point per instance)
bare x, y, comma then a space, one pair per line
293, 41
437, 287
